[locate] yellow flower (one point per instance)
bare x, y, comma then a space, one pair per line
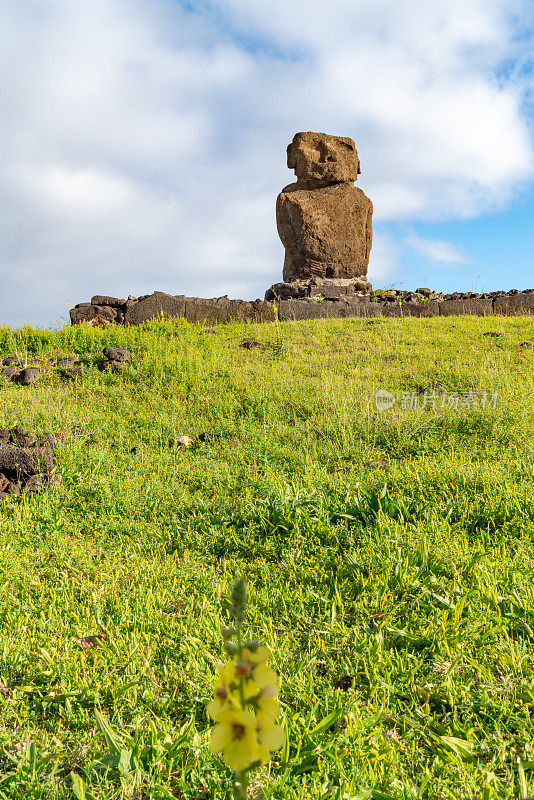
262, 675
258, 656
235, 737
225, 691
270, 737
268, 709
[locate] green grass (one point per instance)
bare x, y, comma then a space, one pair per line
393, 547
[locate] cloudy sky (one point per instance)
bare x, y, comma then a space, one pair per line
143, 141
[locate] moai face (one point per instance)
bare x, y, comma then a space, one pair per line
321, 160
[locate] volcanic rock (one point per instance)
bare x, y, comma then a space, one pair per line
105, 300
324, 221
116, 354
26, 460
9, 373
70, 361
27, 376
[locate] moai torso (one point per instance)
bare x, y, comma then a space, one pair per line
324, 221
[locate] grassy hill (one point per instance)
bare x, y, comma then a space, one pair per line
392, 547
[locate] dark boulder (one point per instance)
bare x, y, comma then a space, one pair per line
9, 373
116, 354
27, 376
105, 300
26, 460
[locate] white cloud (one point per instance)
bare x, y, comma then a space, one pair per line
437, 250
143, 145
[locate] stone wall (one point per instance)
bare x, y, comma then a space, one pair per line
514, 303
103, 310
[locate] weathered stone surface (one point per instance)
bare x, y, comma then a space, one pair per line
476, 306
26, 460
340, 287
108, 365
116, 354
12, 361
155, 306
219, 310
516, 304
70, 361
9, 373
92, 314
20, 437
27, 376
320, 159
105, 300
71, 373
325, 309
207, 311
430, 308
321, 288
324, 222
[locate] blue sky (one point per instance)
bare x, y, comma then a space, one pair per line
144, 141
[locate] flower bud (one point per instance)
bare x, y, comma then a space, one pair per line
252, 645
239, 598
226, 633
230, 648
242, 669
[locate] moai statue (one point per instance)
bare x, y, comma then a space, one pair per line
324, 221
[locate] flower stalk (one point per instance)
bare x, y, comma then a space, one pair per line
244, 707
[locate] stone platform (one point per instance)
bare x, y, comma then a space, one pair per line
311, 304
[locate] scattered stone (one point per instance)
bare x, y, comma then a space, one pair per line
47, 440
250, 344
182, 441
70, 361
26, 462
12, 361
114, 366
492, 334
71, 374
116, 354
344, 683
27, 376
10, 373
527, 345
87, 642
22, 439
425, 292
134, 451
324, 221
83, 433
208, 438
33, 485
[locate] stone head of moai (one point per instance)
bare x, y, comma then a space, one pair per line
324, 221
321, 159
